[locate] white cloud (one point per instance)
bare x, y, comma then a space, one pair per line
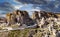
56, 6
35, 10
18, 6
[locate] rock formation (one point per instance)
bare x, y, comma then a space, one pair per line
47, 22
10, 18
18, 16
43, 17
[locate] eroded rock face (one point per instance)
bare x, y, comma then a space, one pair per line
10, 18
18, 16
26, 18
43, 18
48, 22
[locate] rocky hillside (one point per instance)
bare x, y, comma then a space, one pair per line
48, 24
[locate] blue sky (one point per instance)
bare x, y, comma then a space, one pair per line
10, 5
29, 5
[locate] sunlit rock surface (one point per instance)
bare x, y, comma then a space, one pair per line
47, 24
47, 20
18, 16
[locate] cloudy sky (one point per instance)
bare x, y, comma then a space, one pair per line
29, 5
